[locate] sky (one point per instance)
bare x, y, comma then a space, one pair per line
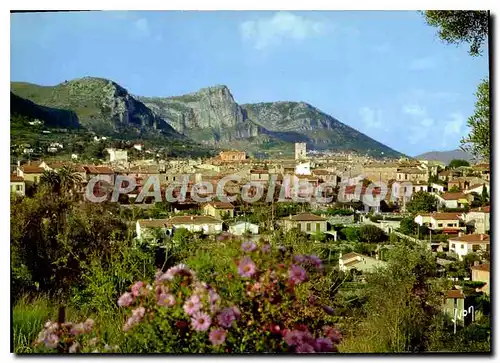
384, 73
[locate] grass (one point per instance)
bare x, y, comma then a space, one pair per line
28, 317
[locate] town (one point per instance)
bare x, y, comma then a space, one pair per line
332, 201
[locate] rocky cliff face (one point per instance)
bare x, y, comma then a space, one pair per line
100, 105
209, 115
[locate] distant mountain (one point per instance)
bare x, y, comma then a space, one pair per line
51, 117
100, 105
212, 116
446, 156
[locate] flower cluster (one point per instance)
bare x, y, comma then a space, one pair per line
179, 291
70, 337
300, 340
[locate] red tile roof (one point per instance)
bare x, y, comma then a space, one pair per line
454, 294
306, 217
483, 267
29, 169
445, 216
481, 209
222, 205
472, 238
16, 179
453, 196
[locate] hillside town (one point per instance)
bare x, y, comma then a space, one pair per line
339, 202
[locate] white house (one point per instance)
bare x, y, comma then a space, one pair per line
204, 224
454, 200
117, 155
423, 219
241, 228
138, 147
464, 244
303, 168
478, 219
446, 222
353, 260
17, 185
478, 188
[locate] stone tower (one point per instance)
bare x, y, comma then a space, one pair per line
300, 150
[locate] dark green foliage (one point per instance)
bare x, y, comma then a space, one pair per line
408, 226
351, 234
478, 142
372, 234
460, 26
422, 202
456, 163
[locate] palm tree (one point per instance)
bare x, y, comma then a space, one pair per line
69, 179
51, 181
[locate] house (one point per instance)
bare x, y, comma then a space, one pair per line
445, 222
241, 228
117, 155
305, 222
232, 155
219, 210
103, 173
454, 200
365, 264
454, 303
464, 244
303, 168
17, 185
448, 174
259, 175
482, 273
483, 169
145, 227
325, 176
138, 147
204, 224
478, 219
381, 172
437, 188
30, 173
412, 175
423, 219
477, 188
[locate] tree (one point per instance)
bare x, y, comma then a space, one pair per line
454, 189
455, 27
470, 27
456, 163
351, 233
478, 140
484, 196
422, 202
408, 226
372, 234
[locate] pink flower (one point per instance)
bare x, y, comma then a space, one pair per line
136, 288
166, 300
192, 305
77, 329
51, 340
333, 334
74, 347
323, 345
236, 312
126, 299
299, 258
88, 325
217, 337
315, 260
266, 248
213, 297
293, 337
248, 246
297, 274
246, 267
174, 271
200, 321
137, 315
226, 317
304, 348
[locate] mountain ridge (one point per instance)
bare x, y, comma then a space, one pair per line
210, 116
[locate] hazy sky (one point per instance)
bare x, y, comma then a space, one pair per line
384, 73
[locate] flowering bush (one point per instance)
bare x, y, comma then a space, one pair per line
71, 338
266, 301
179, 313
